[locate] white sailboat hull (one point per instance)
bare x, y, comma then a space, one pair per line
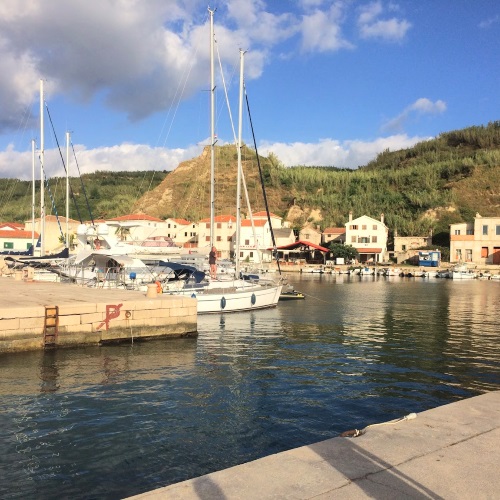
221, 300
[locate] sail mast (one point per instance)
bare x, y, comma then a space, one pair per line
33, 197
67, 188
42, 175
212, 130
238, 182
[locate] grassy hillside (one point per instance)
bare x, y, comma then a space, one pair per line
426, 187
108, 194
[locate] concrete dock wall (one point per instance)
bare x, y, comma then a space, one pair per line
36, 314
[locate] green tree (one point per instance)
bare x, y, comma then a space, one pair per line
348, 252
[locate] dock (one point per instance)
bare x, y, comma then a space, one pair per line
38, 315
448, 452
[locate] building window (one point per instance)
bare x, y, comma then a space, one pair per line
468, 255
485, 230
251, 255
374, 239
403, 247
497, 230
459, 254
363, 227
457, 231
208, 225
168, 225
247, 242
229, 238
241, 255
469, 231
354, 226
364, 240
374, 227
8, 245
219, 238
484, 252
207, 238
185, 234
353, 239
219, 225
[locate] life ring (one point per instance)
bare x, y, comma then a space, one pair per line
158, 287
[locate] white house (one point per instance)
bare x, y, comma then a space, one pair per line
368, 236
14, 238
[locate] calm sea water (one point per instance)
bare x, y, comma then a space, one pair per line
113, 421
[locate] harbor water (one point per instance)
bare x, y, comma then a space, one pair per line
113, 421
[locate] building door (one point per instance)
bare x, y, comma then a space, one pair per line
496, 255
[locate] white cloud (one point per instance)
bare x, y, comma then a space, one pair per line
331, 152
134, 157
370, 26
123, 157
321, 31
422, 106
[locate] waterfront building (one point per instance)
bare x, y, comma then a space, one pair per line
225, 228
369, 237
476, 242
55, 228
406, 247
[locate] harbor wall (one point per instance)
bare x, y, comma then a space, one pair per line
63, 315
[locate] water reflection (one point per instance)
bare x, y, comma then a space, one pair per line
148, 414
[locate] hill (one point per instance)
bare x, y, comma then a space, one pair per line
98, 195
426, 187
437, 182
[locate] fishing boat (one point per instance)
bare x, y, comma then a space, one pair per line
291, 294
462, 272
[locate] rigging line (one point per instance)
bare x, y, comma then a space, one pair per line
275, 249
63, 162
83, 188
54, 207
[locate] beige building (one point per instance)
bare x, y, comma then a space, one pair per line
369, 237
406, 247
225, 227
55, 231
476, 242
333, 235
310, 234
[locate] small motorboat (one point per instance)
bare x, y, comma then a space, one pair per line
291, 294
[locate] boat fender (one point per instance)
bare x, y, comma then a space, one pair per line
158, 287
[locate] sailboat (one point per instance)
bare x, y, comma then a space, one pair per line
228, 295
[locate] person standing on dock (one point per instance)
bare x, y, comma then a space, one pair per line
212, 260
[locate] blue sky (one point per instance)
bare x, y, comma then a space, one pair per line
329, 82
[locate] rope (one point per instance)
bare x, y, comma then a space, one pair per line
356, 432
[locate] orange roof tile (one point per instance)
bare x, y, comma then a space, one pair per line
334, 230
17, 233
256, 223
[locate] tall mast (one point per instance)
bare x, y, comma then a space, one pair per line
238, 183
33, 196
67, 189
42, 175
212, 130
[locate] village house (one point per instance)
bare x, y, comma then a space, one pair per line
14, 238
55, 231
476, 242
333, 235
406, 247
369, 237
261, 251
225, 227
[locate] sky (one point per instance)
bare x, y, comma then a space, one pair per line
329, 83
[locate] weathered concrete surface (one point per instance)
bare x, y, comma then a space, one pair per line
450, 452
88, 315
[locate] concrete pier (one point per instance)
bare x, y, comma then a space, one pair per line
450, 452
35, 314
